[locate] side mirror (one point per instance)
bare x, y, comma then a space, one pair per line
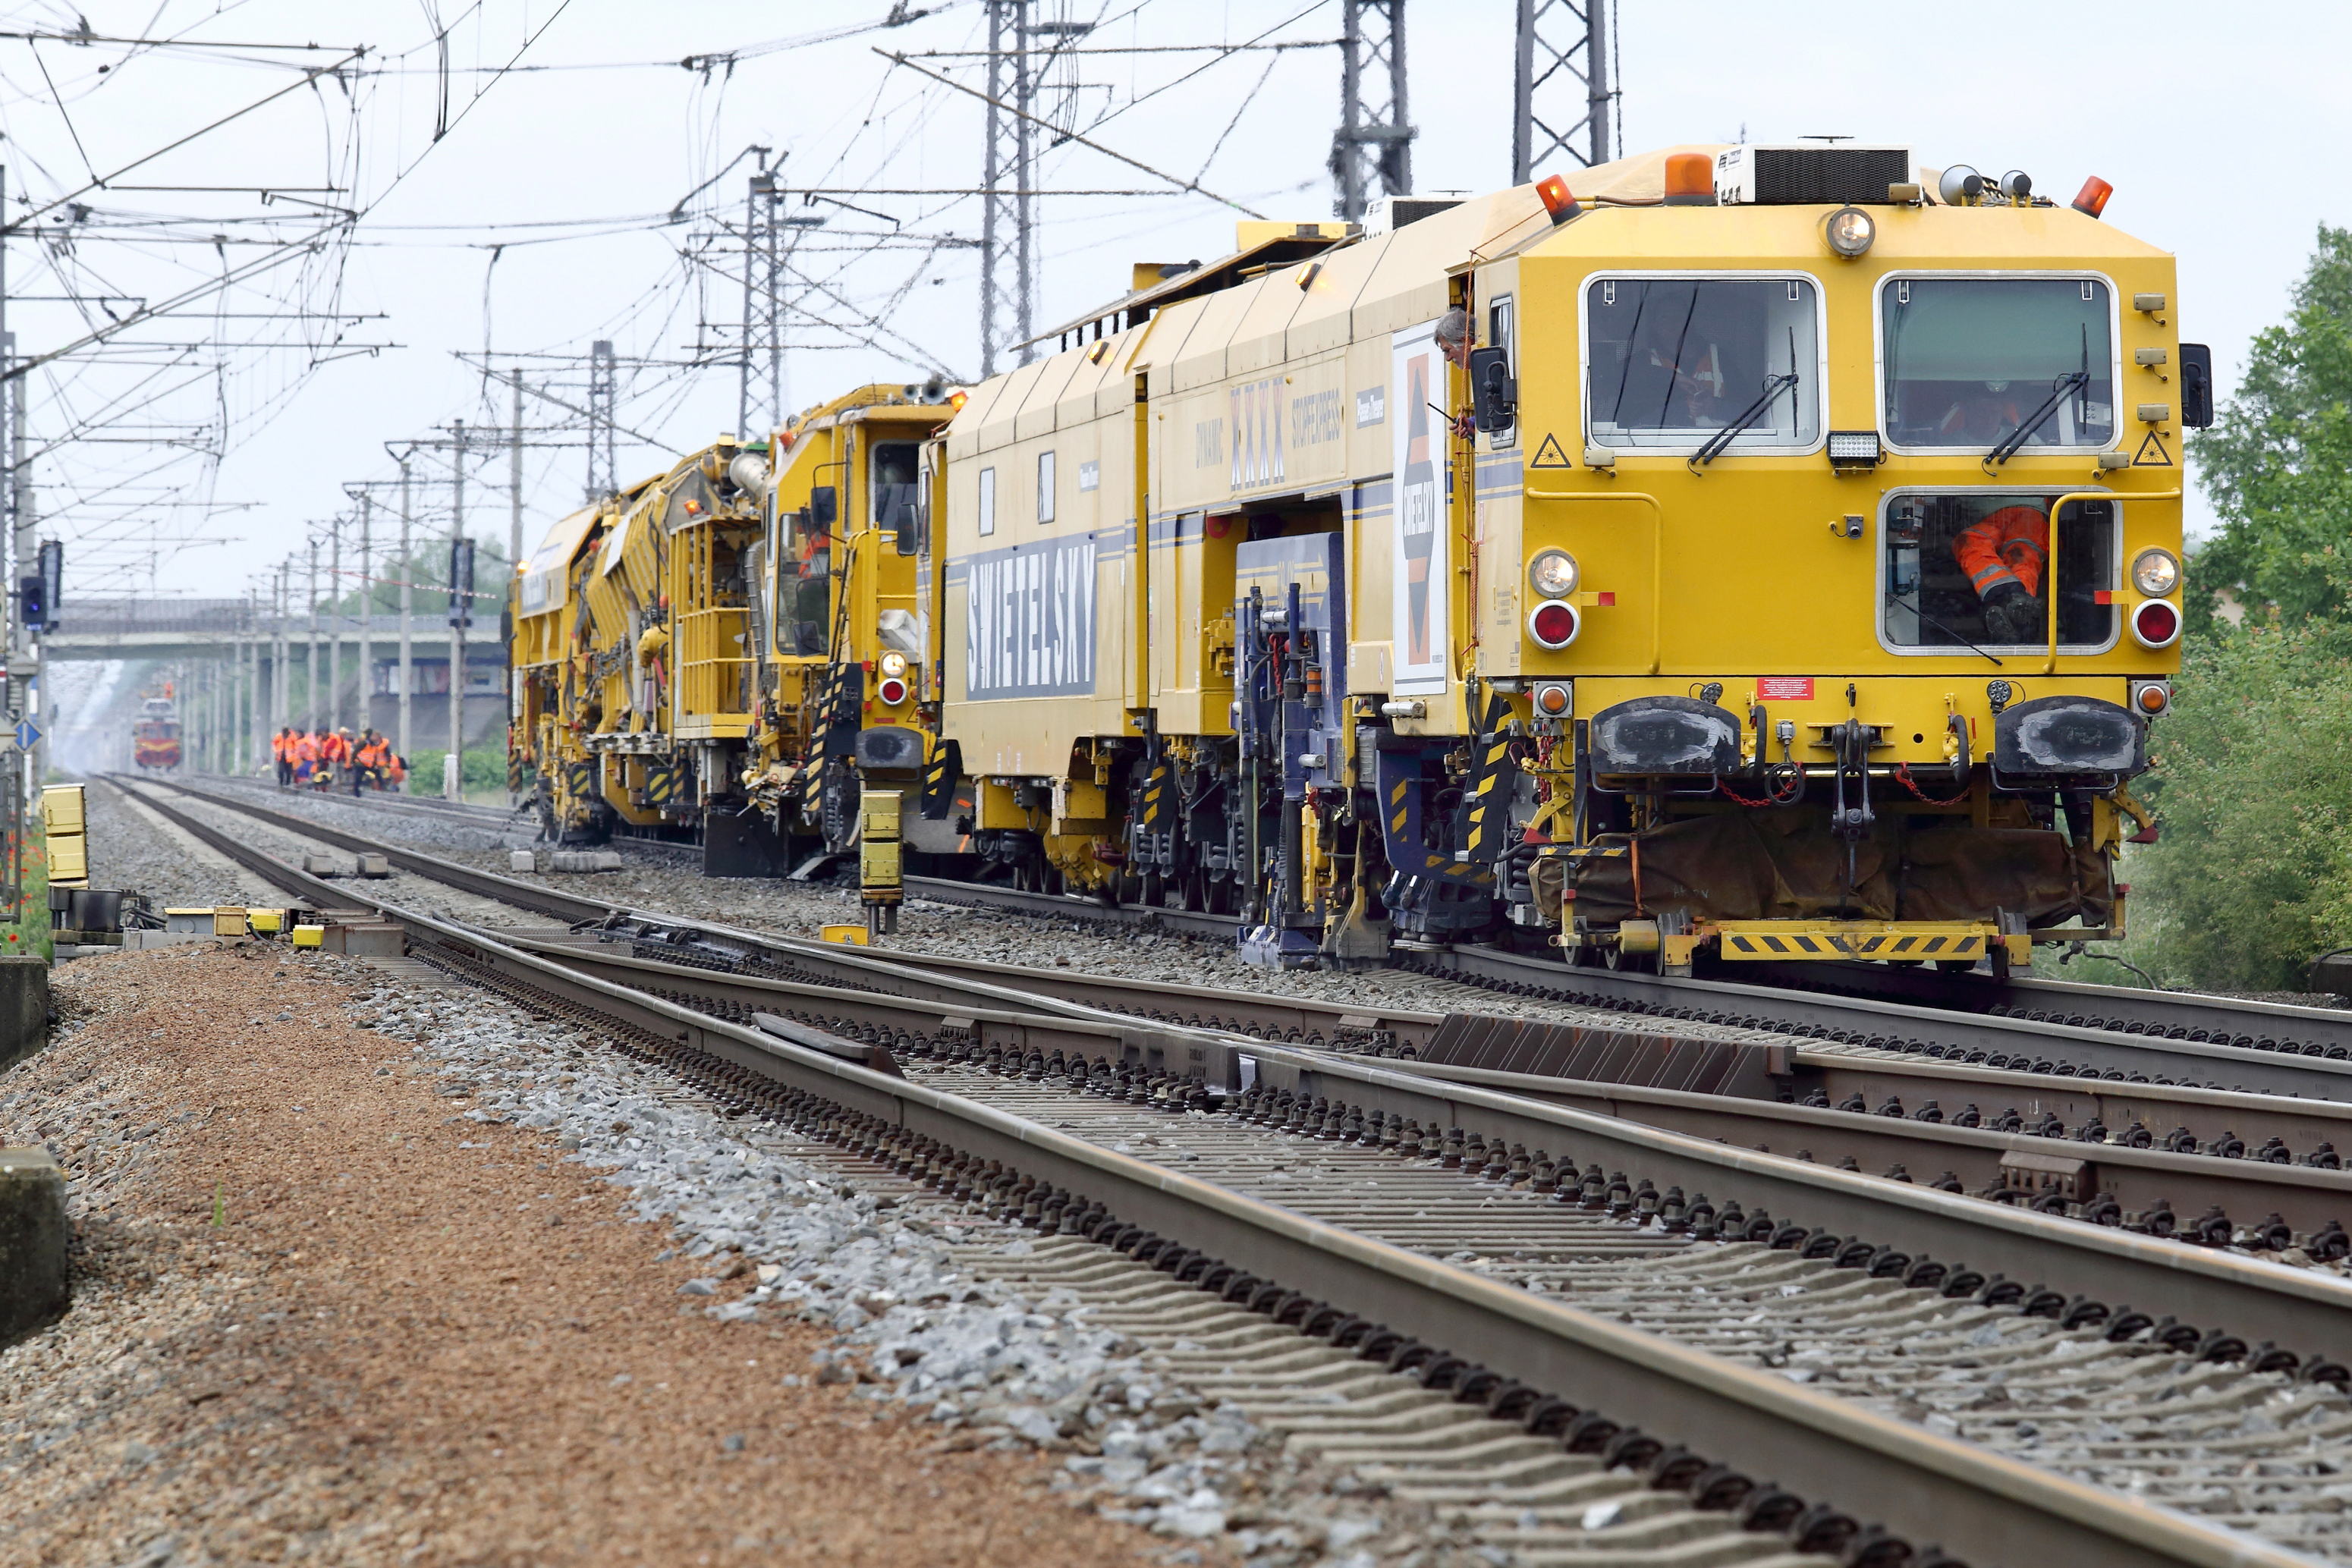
825, 506
909, 529
1497, 393
2196, 386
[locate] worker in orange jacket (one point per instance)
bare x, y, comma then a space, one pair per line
281, 749
2004, 555
306, 756
370, 761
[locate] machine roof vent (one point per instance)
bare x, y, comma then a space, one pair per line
1385, 214
1805, 175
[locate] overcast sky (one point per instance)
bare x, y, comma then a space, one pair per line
2222, 128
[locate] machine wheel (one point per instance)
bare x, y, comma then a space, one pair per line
1626, 963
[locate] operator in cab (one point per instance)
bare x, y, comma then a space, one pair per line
2004, 555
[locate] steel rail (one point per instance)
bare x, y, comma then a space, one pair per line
1910, 1005
1980, 1505
2302, 1310
2144, 1183
1803, 1014
2087, 1004
1897, 1026
1277, 1012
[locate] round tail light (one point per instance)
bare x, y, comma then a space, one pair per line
894, 691
2155, 623
1554, 624
2151, 698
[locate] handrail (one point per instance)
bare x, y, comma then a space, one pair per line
2050, 659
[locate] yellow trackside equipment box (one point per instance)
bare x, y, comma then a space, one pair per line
310, 935
68, 860
63, 817
228, 920
62, 809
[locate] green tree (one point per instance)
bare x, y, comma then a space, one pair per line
2250, 881
2278, 461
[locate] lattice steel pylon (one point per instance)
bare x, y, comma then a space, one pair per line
604, 469
760, 403
1561, 100
1371, 152
1008, 208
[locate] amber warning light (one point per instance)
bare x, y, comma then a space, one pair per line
2092, 200
1556, 200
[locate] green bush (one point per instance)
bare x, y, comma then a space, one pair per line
483, 770
2250, 881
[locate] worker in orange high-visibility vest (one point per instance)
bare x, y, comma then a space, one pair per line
306, 756
281, 749
2004, 555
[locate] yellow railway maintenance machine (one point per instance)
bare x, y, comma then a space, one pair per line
845, 701
1770, 552
636, 677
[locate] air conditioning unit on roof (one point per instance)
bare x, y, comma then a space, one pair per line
1802, 175
1383, 215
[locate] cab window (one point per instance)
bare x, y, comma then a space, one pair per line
804, 583
892, 469
1675, 362
1969, 362
1969, 570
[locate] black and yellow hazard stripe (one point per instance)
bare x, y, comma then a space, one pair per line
1818, 944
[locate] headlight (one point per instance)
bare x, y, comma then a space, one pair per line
894, 663
1850, 232
2155, 572
1553, 574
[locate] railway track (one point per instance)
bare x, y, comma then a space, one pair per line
1914, 1009
2188, 1037
1890, 1261
426, 808
2155, 1159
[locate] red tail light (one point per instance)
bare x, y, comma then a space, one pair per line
2155, 623
1554, 624
893, 691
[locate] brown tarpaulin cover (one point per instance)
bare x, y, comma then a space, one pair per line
1784, 865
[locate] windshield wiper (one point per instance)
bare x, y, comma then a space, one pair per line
2071, 381
1897, 599
1773, 387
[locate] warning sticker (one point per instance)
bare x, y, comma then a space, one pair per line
1549, 454
2152, 453
1784, 688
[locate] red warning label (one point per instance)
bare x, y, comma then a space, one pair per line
1784, 688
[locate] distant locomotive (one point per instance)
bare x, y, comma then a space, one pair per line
155, 738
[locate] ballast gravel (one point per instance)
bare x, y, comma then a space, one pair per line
374, 1268
331, 1307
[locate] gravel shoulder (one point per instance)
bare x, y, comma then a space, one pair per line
323, 1312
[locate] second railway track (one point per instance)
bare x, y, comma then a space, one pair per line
1871, 1258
